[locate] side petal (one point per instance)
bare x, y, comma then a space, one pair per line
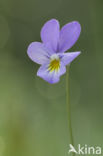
38, 52
67, 58
69, 34
51, 77
50, 34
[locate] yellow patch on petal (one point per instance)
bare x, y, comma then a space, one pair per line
54, 65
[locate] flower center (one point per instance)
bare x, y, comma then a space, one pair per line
54, 63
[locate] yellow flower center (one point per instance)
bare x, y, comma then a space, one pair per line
54, 64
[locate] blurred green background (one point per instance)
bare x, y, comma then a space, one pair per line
33, 113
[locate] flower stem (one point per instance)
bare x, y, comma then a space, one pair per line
69, 109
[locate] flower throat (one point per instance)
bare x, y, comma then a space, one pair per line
54, 65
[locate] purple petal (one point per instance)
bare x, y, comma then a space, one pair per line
67, 58
51, 77
50, 34
69, 35
38, 52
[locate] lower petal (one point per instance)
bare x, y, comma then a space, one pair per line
51, 77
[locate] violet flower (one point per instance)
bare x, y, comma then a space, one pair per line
50, 53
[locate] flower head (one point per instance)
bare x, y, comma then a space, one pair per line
50, 53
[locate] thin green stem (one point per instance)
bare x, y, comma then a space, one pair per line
69, 109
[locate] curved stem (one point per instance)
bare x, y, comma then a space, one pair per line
69, 109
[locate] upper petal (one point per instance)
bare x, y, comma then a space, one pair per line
51, 77
67, 58
50, 34
69, 35
38, 52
